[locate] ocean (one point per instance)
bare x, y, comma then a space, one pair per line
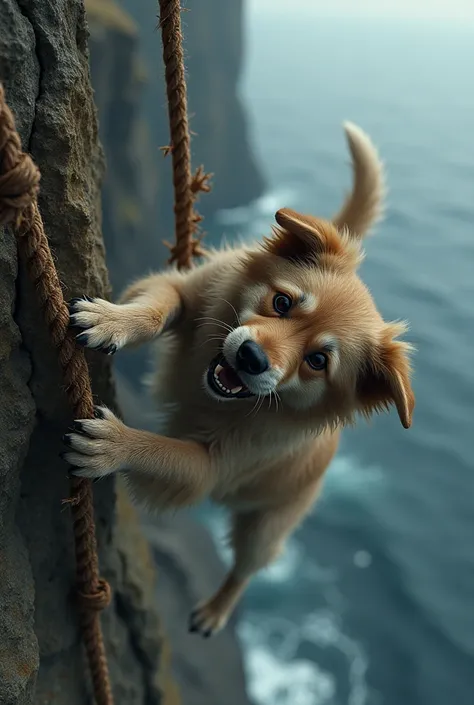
373, 601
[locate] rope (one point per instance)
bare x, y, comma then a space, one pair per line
19, 182
186, 185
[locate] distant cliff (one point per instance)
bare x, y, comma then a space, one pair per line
137, 208
213, 32
127, 75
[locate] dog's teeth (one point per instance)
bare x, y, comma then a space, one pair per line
217, 370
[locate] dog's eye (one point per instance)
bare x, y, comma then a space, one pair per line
282, 303
317, 360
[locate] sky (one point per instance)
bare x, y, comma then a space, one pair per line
411, 9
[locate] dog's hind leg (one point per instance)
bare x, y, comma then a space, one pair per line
257, 539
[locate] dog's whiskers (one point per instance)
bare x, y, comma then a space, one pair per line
237, 317
254, 409
219, 338
277, 400
208, 320
274, 395
258, 405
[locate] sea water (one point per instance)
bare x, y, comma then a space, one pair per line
373, 601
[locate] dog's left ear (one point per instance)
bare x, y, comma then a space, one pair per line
303, 238
386, 378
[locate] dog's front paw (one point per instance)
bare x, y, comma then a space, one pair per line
207, 619
97, 447
102, 324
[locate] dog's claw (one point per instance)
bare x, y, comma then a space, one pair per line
110, 350
100, 324
82, 339
204, 623
72, 302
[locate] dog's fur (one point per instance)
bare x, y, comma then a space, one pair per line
263, 456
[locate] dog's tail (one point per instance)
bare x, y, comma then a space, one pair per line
364, 205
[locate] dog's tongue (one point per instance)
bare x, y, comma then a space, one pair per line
229, 378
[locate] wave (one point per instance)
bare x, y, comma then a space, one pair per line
278, 675
262, 209
276, 679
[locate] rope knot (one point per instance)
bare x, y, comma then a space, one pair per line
19, 176
96, 601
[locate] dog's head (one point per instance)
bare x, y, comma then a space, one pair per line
308, 330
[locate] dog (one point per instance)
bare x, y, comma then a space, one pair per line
268, 352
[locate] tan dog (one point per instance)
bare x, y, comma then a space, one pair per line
270, 350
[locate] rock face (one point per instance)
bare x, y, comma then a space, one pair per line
44, 67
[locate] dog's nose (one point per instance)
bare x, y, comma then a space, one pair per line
251, 358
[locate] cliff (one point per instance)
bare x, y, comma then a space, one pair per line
44, 67
130, 186
127, 75
213, 32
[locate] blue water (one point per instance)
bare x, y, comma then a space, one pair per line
373, 602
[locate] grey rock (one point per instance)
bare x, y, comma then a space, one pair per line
208, 672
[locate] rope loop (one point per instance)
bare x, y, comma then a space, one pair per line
98, 600
19, 176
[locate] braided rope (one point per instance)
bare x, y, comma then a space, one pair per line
186, 185
19, 183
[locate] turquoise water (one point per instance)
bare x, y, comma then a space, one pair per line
373, 602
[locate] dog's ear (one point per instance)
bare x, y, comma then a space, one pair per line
385, 380
303, 238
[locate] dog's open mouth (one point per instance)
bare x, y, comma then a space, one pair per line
224, 380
